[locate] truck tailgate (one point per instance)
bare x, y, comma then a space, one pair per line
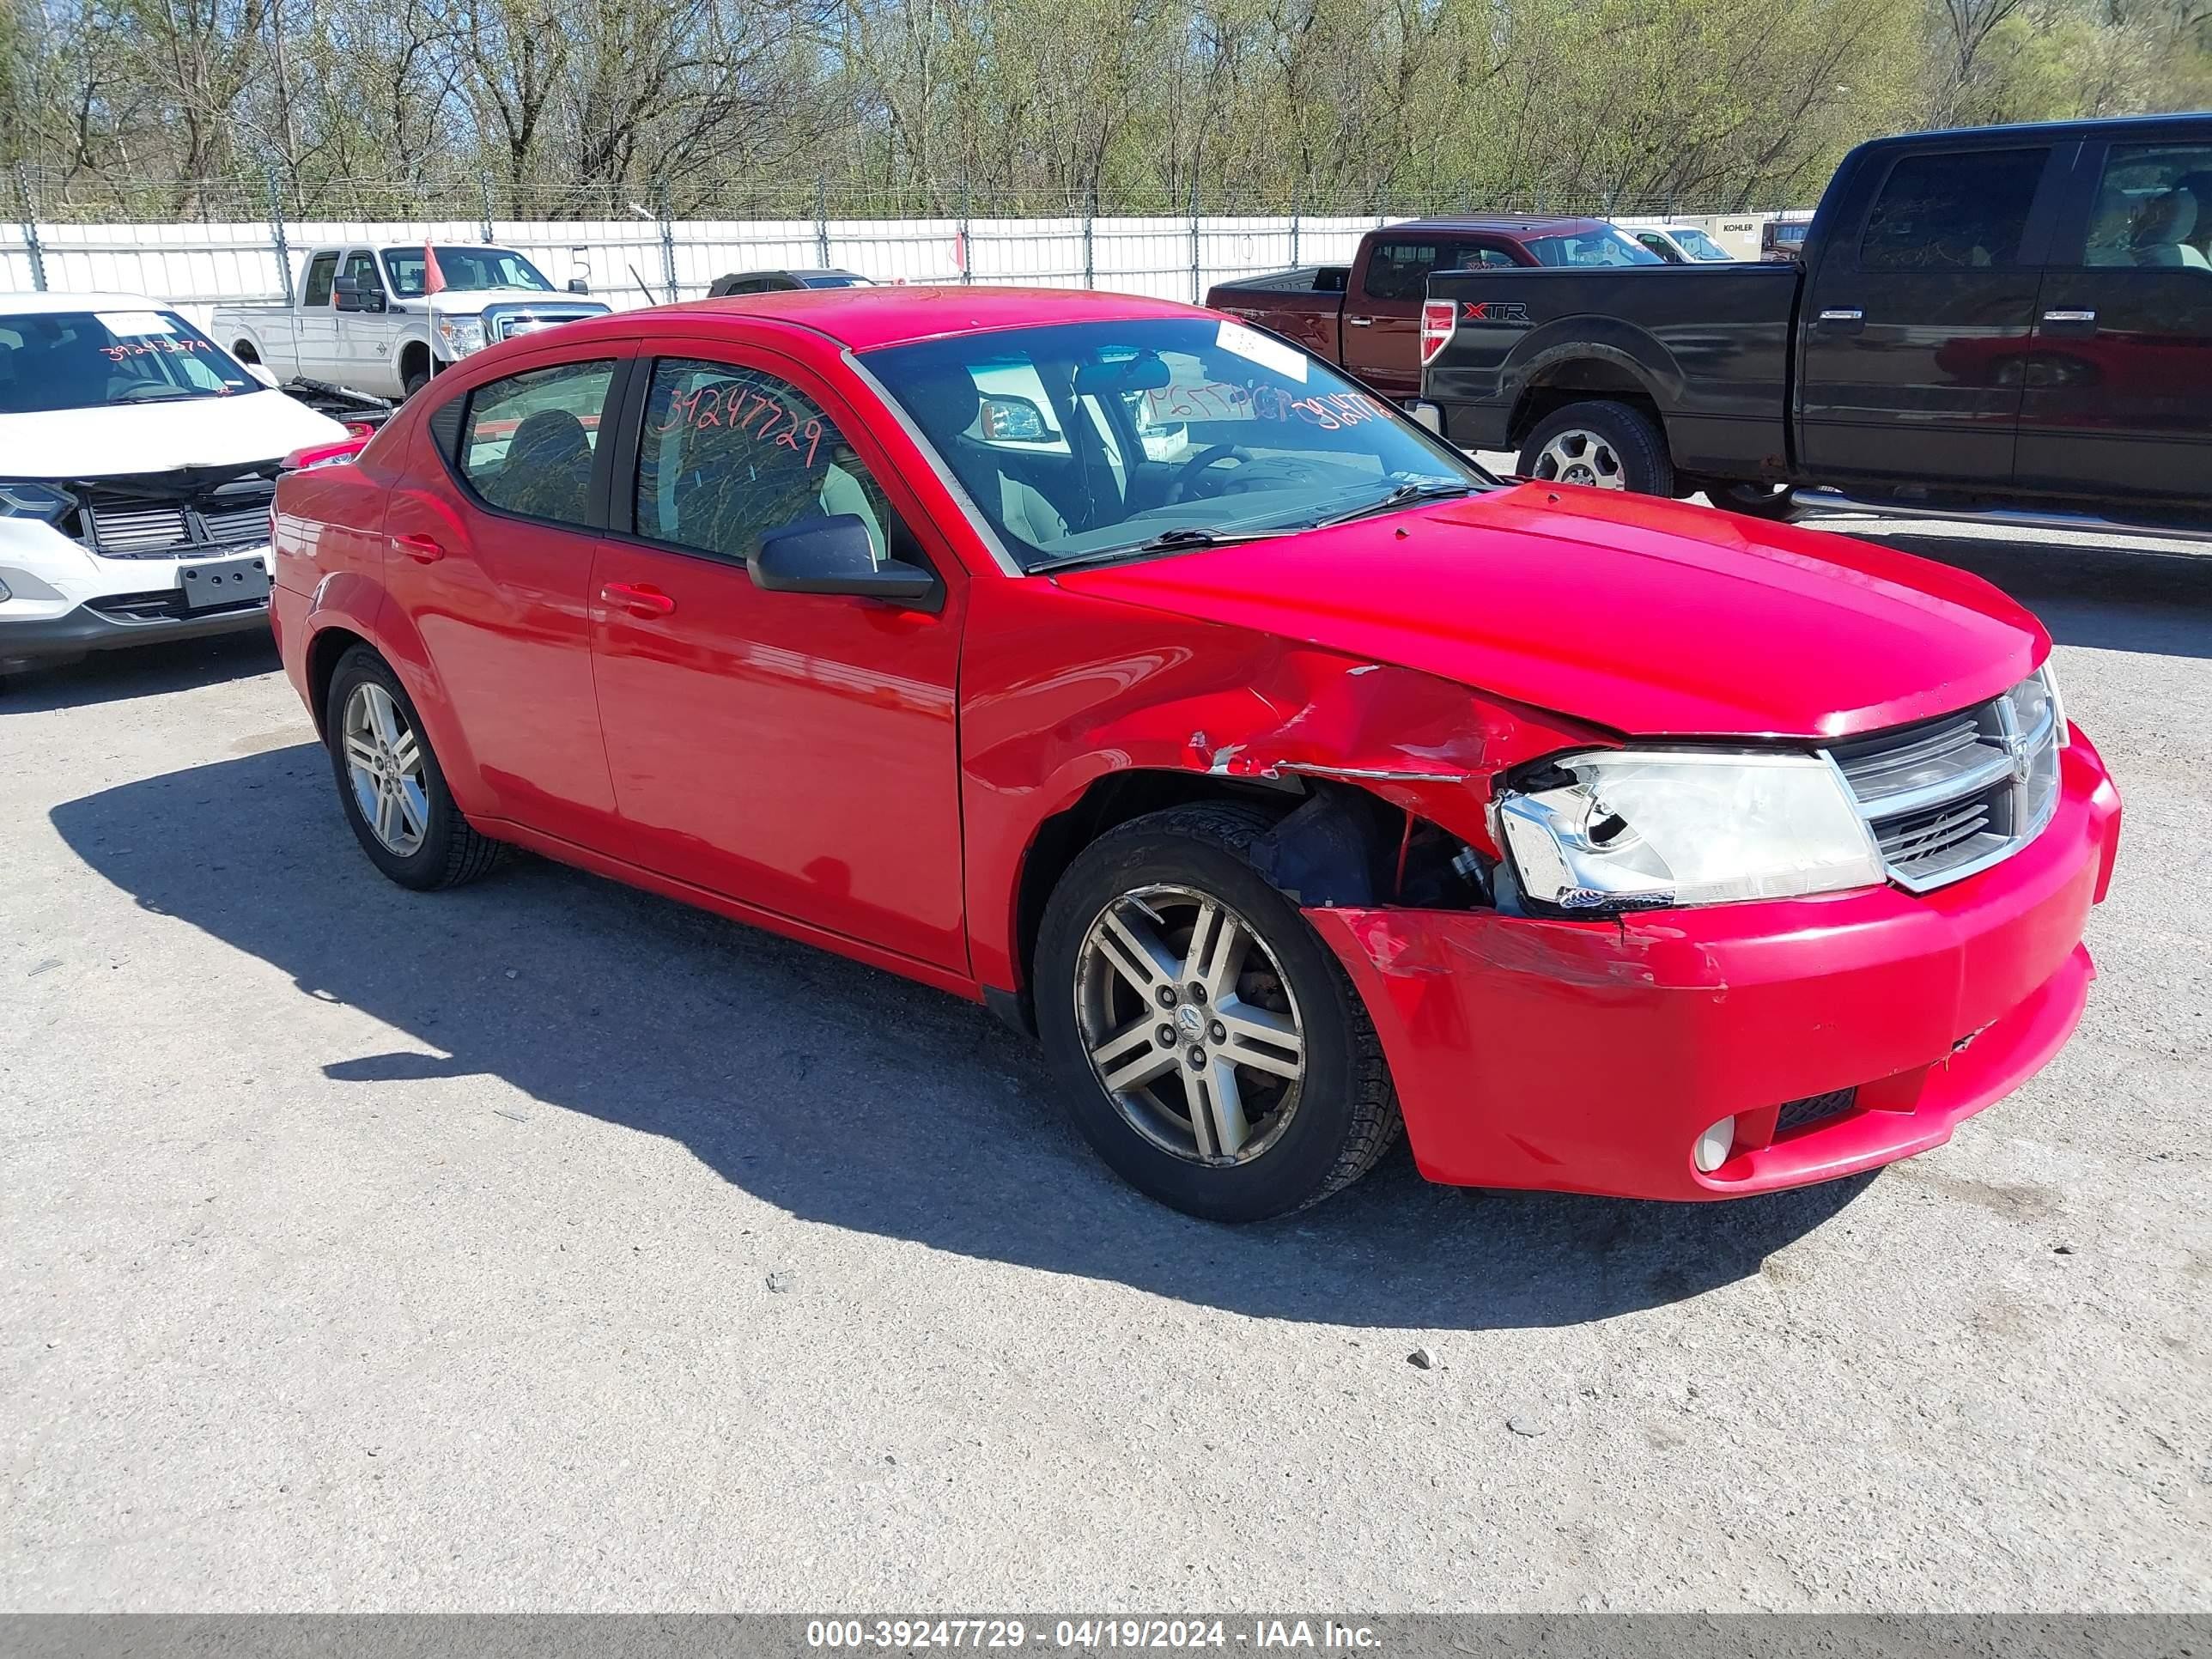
1708, 346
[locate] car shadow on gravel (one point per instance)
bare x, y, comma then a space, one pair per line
841, 1094
145, 670
2107, 597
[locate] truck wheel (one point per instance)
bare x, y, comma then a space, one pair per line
1601, 443
415, 380
1209, 1048
1777, 502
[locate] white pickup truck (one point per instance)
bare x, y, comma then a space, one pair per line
377, 319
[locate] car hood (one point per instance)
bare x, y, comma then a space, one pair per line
122, 439
1645, 615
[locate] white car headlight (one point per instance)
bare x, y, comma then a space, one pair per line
461, 335
1617, 830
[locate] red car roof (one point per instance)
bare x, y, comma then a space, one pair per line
865, 318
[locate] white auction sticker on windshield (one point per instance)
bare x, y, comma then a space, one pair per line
135, 325
1256, 348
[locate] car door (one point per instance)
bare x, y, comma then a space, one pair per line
315, 320
2118, 399
489, 549
796, 752
1917, 315
364, 338
1383, 310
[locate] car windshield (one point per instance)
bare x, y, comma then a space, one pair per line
53, 360
1698, 246
1088, 440
1603, 246
466, 270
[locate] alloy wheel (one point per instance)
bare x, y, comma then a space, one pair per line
1581, 457
1190, 1024
384, 763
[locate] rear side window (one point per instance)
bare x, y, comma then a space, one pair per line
1400, 271
1958, 212
527, 441
729, 454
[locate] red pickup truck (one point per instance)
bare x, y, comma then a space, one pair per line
1366, 316
1283, 773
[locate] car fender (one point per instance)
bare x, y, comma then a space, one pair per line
1611, 341
1221, 705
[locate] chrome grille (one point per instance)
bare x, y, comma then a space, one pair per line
1947, 797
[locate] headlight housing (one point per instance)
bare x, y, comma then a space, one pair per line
461, 335
24, 499
1623, 828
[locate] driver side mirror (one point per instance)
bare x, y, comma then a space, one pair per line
578, 285
835, 555
353, 295
262, 373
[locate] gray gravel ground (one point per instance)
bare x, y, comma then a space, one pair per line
548, 1245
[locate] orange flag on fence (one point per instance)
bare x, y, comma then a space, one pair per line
433, 280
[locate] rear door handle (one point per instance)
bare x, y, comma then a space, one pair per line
1842, 319
1361, 322
638, 598
420, 549
2070, 322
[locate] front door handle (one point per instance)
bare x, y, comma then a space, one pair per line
1360, 322
638, 598
2070, 322
1842, 319
420, 549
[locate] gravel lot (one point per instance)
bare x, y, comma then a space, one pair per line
548, 1245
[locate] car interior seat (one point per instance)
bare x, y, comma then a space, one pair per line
949, 406
2164, 229
548, 469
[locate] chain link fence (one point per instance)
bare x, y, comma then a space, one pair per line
204, 243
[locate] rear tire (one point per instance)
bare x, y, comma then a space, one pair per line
1279, 1101
1776, 503
390, 784
1603, 443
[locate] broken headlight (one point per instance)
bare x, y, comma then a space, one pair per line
1619, 830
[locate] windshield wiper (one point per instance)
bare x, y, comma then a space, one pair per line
1421, 489
1167, 541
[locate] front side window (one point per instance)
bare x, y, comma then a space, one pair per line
1964, 211
1602, 245
90, 359
1087, 439
527, 441
362, 267
322, 270
730, 453
2153, 208
464, 270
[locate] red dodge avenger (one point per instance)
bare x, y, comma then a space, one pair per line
1123, 668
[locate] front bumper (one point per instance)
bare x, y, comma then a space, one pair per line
68, 634
1586, 1056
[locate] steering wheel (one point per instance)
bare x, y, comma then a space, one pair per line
1188, 474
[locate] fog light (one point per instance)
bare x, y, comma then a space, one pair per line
1714, 1145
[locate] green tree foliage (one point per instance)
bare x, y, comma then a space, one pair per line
736, 107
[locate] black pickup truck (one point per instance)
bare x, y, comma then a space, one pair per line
2011, 320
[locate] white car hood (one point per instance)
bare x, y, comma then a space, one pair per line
469, 302
163, 437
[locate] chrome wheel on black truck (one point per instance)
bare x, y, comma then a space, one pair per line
1601, 444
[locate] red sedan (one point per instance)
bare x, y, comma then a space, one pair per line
1115, 665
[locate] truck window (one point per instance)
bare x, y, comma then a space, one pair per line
322, 270
1963, 210
1400, 271
2153, 208
362, 267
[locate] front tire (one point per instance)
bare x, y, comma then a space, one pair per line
1211, 1050
393, 792
1601, 444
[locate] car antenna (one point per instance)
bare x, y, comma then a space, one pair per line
641, 288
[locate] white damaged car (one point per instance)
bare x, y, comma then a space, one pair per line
138, 463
